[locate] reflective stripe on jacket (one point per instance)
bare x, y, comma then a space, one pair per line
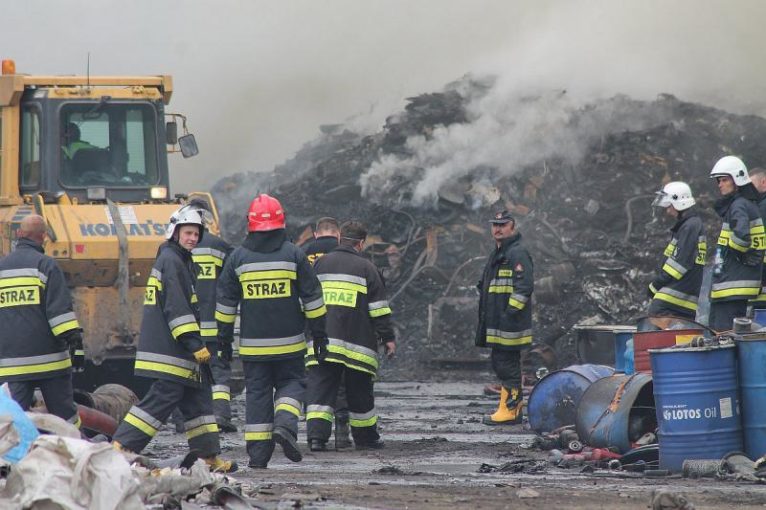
358, 313
759, 302
677, 285
170, 325
209, 257
741, 244
505, 302
277, 292
35, 312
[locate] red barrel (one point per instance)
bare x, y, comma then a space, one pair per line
645, 340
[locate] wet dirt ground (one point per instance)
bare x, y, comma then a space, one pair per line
435, 445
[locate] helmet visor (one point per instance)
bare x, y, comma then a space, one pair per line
662, 199
207, 216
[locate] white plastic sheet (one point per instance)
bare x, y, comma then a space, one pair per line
71, 474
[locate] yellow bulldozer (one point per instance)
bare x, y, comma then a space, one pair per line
90, 155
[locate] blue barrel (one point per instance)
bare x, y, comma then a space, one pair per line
759, 317
614, 412
621, 336
553, 401
751, 358
697, 403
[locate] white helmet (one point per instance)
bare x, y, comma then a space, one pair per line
733, 167
678, 194
186, 215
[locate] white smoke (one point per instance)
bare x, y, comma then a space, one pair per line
508, 130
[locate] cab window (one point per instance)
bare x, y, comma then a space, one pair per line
108, 145
30, 147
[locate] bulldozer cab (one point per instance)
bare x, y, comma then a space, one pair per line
90, 155
74, 145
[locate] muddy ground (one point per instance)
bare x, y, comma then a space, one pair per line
435, 445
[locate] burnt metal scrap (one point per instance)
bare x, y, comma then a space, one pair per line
595, 240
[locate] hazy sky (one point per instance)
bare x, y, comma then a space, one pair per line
257, 77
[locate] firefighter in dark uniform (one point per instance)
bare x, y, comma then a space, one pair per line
41, 336
171, 350
277, 291
209, 256
505, 314
326, 236
326, 239
676, 288
741, 243
358, 319
758, 178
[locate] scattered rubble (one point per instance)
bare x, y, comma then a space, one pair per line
586, 218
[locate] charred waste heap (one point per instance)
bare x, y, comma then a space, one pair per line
580, 178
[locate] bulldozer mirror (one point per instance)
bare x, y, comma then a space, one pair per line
188, 146
171, 133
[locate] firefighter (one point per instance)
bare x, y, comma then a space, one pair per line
326, 239
741, 243
277, 291
209, 256
505, 314
758, 178
172, 352
676, 289
41, 336
358, 318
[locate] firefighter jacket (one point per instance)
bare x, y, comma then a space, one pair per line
208, 257
677, 286
36, 315
505, 302
170, 325
740, 250
318, 247
358, 315
760, 301
277, 291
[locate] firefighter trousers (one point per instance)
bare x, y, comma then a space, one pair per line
507, 366
324, 380
274, 393
145, 418
222, 377
341, 403
723, 313
57, 393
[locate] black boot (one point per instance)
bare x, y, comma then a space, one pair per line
285, 439
225, 424
342, 433
378, 444
317, 445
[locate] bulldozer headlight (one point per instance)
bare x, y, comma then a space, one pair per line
159, 192
96, 193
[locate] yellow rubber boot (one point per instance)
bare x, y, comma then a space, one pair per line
218, 465
118, 446
509, 411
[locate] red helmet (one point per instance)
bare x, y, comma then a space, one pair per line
265, 213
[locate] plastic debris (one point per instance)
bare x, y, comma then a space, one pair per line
17, 432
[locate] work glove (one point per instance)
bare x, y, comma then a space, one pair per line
73, 339
202, 355
225, 348
320, 347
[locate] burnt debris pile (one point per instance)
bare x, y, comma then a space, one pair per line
579, 177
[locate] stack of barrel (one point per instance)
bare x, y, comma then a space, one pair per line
708, 393
705, 392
